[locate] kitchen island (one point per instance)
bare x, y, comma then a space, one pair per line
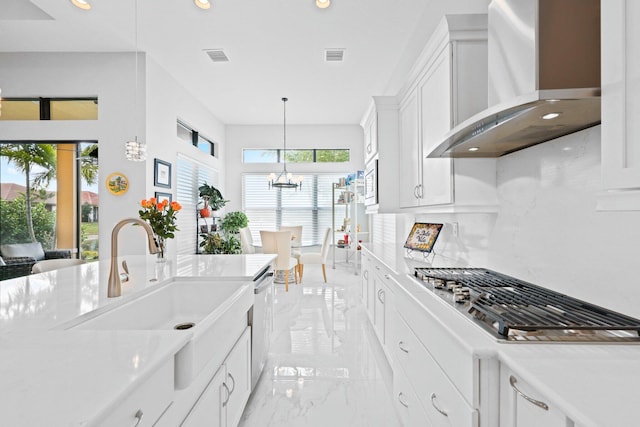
53, 375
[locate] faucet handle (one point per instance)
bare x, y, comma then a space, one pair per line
124, 277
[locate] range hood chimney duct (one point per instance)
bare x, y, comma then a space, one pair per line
544, 78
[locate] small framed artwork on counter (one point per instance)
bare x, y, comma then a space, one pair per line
423, 236
164, 196
162, 174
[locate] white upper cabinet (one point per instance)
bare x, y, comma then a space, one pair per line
381, 120
620, 106
410, 153
447, 85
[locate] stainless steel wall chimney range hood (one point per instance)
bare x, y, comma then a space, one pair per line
544, 78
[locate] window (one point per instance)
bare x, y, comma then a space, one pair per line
49, 109
193, 137
270, 209
257, 155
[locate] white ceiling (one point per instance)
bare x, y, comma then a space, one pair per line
275, 47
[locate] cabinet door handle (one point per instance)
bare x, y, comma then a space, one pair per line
387, 276
433, 403
377, 267
415, 192
400, 344
381, 295
138, 416
405, 404
369, 148
366, 274
420, 195
228, 394
234, 383
538, 403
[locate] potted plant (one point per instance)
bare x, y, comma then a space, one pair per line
225, 240
212, 198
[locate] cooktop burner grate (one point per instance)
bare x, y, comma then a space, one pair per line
511, 304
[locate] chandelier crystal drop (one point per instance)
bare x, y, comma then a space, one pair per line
285, 179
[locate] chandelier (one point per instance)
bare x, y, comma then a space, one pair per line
285, 179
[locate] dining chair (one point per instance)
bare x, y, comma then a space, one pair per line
279, 242
317, 257
246, 241
296, 241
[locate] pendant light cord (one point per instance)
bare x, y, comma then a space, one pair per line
135, 100
284, 155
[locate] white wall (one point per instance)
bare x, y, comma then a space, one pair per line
109, 76
547, 230
298, 137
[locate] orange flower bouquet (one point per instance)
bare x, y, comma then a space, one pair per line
161, 216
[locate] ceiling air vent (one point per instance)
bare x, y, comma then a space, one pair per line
334, 55
217, 55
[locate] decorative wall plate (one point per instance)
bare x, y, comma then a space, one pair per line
117, 183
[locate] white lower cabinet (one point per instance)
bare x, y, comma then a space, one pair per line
146, 404
406, 402
437, 395
223, 400
521, 405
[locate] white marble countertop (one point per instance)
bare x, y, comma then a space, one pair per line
69, 377
594, 385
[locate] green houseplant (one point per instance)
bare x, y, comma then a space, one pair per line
225, 241
211, 196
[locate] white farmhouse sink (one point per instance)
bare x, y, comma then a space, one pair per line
206, 310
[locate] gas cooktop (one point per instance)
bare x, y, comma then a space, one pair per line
517, 311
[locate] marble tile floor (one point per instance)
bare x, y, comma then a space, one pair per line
325, 366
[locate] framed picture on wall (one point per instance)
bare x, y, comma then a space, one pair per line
162, 196
162, 173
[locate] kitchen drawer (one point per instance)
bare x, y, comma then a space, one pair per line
150, 400
439, 397
453, 358
406, 403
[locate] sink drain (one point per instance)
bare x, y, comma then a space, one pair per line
183, 326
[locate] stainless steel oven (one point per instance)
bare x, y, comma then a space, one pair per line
371, 183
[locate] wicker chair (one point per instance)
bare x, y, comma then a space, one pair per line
19, 258
16, 267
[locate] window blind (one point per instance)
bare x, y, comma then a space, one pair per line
190, 175
269, 209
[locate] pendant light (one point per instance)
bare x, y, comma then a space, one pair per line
285, 179
135, 150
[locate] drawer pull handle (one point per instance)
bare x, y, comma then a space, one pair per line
138, 416
381, 295
387, 276
405, 404
400, 344
234, 383
228, 394
538, 403
433, 403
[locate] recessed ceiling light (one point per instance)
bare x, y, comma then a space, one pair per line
473, 149
203, 4
550, 116
323, 4
82, 4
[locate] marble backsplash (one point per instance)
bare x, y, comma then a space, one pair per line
547, 230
